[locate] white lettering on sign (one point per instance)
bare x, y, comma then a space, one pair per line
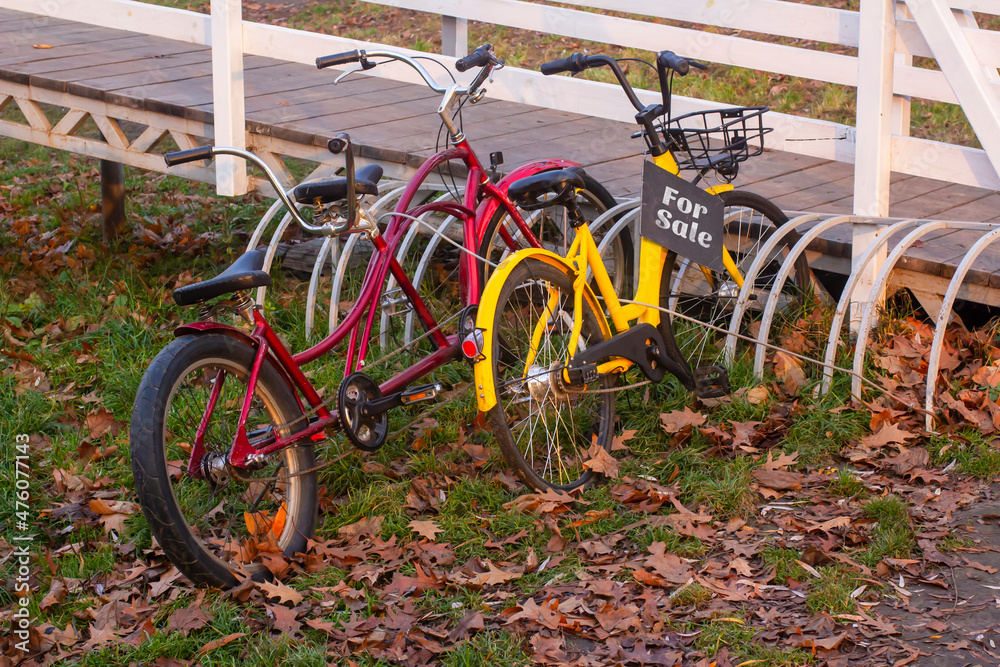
664, 220
684, 205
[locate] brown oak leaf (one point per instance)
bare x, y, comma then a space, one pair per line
279, 590
780, 480
888, 434
678, 420
602, 462
366, 526
284, 618
101, 422
789, 371
494, 576
426, 528
672, 568
187, 619
618, 443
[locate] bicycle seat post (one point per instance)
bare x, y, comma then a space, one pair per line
576, 218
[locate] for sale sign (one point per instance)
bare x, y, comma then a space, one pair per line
681, 216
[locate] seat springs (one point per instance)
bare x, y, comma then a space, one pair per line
239, 303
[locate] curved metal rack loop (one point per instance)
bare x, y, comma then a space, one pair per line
944, 318
743, 299
779, 282
845, 298
882, 280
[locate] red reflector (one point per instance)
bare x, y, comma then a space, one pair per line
469, 348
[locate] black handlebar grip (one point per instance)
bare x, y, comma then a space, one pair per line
338, 59
671, 60
190, 155
575, 63
477, 58
339, 143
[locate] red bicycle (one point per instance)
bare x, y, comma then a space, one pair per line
225, 419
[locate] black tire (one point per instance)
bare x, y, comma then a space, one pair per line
180, 508
556, 235
576, 418
685, 288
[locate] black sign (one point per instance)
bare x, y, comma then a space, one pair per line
681, 216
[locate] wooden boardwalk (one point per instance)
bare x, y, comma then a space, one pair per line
394, 123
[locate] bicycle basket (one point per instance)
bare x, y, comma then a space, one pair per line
718, 139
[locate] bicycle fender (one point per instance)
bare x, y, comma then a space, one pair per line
197, 328
486, 396
201, 328
490, 205
720, 188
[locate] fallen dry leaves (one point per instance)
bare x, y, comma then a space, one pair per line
629, 599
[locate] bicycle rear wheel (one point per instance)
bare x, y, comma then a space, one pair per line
545, 428
219, 520
709, 297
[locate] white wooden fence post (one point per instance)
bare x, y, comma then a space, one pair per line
227, 94
872, 163
454, 37
901, 104
965, 72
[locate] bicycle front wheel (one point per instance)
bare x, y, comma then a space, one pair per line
702, 296
215, 520
545, 428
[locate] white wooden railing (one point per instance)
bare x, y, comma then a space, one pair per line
886, 33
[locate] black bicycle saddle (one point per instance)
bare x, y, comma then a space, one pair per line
327, 191
245, 273
528, 192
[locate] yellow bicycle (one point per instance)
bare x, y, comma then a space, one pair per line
547, 362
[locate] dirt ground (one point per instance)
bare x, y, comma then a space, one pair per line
953, 619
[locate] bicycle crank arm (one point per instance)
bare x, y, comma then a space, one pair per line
418, 394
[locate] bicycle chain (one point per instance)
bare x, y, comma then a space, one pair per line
608, 390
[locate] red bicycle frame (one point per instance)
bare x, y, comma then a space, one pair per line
482, 199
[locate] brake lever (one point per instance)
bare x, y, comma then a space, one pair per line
352, 70
364, 65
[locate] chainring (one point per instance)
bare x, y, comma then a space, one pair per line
366, 432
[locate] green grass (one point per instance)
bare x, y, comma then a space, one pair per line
694, 595
819, 433
847, 485
783, 561
953, 543
115, 316
486, 648
831, 593
972, 452
740, 640
892, 533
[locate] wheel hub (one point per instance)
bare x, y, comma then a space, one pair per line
545, 385
215, 468
537, 383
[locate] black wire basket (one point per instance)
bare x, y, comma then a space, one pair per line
717, 139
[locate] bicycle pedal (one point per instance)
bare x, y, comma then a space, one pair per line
711, 382
583, 374
425, 392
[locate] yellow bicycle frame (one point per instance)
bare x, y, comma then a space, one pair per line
583, 254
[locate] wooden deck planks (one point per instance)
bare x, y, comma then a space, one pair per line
394, 121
